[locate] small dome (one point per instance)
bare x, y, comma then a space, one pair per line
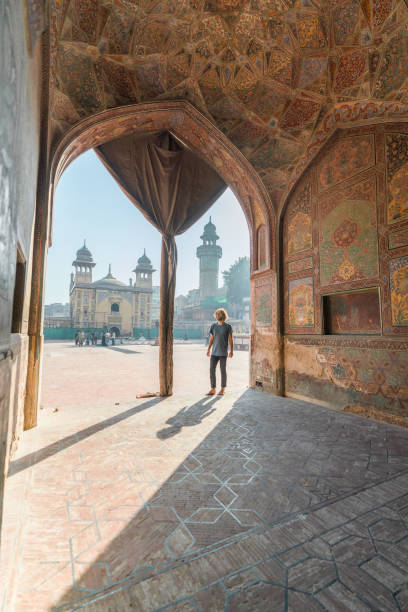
144, 264
209, 232
108, 281
84, 254
209, 227
144, 260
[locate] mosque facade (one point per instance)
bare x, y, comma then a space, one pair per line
108, 303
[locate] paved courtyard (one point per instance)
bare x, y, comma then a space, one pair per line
79, 376
246, 502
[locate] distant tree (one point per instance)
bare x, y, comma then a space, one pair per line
236, 281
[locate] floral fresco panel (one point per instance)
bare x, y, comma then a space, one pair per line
380, 376
301, 306
346, 158
299, 233
263, 304
348, 242
399, 291
397, 177
299, 228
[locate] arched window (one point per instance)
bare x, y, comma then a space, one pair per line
261, 246
115, 308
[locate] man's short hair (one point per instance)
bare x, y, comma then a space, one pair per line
221, 313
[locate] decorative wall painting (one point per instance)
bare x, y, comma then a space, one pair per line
299, 225
301, 307
346, 158
399, 291
397, 177
263, 304
348, 242
299, 233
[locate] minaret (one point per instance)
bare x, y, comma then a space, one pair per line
144, 272
83, 265
209, 254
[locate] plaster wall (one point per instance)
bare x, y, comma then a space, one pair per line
345, 235
266, 349
20, 78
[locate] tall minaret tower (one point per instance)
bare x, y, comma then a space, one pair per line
144, 272
209, 254
142, 314
83, 265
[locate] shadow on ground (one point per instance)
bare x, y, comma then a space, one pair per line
37, 456
267, 512
189, 416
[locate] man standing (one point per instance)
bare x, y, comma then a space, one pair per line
220, 336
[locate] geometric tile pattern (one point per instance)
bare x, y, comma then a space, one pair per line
249, 502
266, 72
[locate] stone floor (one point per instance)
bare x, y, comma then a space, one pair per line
243, 503
77, 376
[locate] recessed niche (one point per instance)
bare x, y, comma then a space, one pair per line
356, 312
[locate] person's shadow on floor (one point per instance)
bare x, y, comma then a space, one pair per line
189, 416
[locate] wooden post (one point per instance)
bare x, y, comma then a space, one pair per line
39, 253
35, 322
167, 293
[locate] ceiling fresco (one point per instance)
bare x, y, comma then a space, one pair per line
276, 76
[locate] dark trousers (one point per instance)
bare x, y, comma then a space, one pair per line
223, 367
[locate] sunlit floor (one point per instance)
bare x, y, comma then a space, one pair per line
77, 376
247, 502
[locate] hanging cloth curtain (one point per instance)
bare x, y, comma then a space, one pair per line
173, 188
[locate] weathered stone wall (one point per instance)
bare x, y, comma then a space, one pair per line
265, 364
20, 80
345, 270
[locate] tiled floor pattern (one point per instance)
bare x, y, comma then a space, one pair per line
248, 502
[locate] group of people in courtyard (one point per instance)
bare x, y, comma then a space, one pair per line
91, 338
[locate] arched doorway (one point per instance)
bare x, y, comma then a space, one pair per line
116, 331
201, 137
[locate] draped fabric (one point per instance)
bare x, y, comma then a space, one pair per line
173, 188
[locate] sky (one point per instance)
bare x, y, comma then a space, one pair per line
89, 205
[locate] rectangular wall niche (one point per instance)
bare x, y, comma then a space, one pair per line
18, 299
356, 312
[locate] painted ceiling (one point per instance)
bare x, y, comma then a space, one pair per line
276, 76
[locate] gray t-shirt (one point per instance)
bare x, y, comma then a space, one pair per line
221, 333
